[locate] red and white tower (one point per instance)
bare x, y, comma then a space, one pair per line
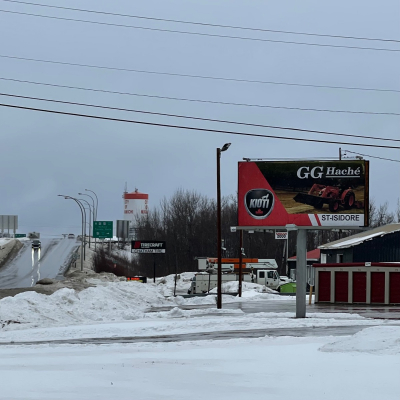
135, 205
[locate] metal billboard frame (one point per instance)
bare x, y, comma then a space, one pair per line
252, 177
301, 243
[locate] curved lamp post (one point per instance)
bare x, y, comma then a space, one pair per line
90, 217
83, 222
94, 208
97, 200
219, 241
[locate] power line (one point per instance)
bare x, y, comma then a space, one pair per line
195, 118
191, 128
202, 23
366, 155
198, 100
194, 76
200, 33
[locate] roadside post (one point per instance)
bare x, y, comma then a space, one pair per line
154, 267
149, 247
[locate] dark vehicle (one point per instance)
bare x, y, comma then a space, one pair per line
36, 244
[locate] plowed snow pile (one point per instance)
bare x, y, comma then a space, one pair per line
115, 301
167, 283
376, 340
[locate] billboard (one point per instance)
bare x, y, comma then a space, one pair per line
303, 193
8, 222
122, 229
148, 246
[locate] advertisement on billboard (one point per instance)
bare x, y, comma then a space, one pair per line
303, 193
148, 246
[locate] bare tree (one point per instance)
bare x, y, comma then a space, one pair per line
380, 215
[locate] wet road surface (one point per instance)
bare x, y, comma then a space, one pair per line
219, 335
31, 265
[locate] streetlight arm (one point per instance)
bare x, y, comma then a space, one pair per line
97, 200
94, 209
83, 212
225, 146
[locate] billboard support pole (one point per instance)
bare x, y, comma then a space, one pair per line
154, 268
287, 254
219, 278
301, 272
240, 263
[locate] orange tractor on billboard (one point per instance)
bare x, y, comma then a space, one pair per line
334, 196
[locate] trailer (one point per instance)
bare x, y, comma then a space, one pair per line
203, 282
232, 264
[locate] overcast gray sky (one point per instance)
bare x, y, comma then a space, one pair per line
43, 155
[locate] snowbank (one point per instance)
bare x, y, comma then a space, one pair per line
167, 283
6, 247
375, 340
114, 301
248, 289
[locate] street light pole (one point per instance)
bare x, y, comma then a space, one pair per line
94, 209
90, 217
83, 238
83, 219
219, 239
97, 201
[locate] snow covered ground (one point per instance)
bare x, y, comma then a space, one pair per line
360, 366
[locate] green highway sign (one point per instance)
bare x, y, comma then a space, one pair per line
102, 229
20, 235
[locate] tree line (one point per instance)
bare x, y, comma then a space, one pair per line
187, 222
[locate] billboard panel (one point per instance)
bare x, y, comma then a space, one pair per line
148, 246
8, 222
303, 193
122, 229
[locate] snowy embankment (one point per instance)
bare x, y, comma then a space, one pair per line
6, 247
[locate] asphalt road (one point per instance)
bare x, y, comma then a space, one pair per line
218, 335
30, 265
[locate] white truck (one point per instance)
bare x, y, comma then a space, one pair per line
203, 282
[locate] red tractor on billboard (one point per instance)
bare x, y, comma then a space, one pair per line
334, 196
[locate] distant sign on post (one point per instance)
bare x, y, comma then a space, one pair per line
102, 229
122, 229
20, 235
8, 222
148, 246
281, 235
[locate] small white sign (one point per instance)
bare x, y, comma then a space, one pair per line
281, 235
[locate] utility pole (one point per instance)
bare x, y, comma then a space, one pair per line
240, 263
219, 239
